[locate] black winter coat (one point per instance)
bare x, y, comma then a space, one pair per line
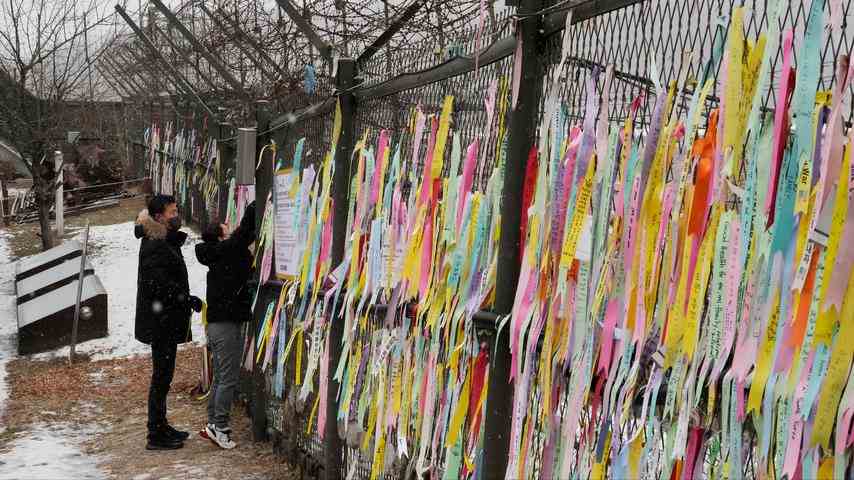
163, 289
229, 262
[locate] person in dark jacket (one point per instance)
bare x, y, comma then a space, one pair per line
163, 304
229, 304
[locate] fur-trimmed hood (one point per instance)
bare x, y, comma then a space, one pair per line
146, 226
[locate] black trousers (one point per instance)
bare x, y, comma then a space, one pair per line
163, 353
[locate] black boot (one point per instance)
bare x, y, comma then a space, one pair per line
173, 433
160, 440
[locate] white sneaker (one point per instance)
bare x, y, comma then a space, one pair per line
220, 437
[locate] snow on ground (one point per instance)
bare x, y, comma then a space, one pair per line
49, 453
115, 255
8, 324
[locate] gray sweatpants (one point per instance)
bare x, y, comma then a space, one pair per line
226, 346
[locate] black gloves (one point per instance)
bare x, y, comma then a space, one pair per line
248, 221
195, 303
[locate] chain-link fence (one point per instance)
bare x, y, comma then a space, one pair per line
189, 165
649, 44
675, 41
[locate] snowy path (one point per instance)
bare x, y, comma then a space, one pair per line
8, 323
53, 451
49, 453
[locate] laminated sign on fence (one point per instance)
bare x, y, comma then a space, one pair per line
286, 242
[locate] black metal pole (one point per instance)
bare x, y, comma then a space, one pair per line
332, 444
183, 54
243, 48
279, 70
199, 47
177, 78
393, 28
499, 399
258, 404
226, 163
306, 28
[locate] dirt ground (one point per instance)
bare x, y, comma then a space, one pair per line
103, 403
108, 397
24, 239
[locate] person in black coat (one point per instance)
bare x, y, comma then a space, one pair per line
163, 304
229, 299
229, 263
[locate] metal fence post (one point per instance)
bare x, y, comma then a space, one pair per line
499, 400
226, 163
333, 446
3, 199
59, 206
80, 278
258, 403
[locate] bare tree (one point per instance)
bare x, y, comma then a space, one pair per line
44, 62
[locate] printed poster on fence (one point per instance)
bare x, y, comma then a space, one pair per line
245, 196
288, 252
